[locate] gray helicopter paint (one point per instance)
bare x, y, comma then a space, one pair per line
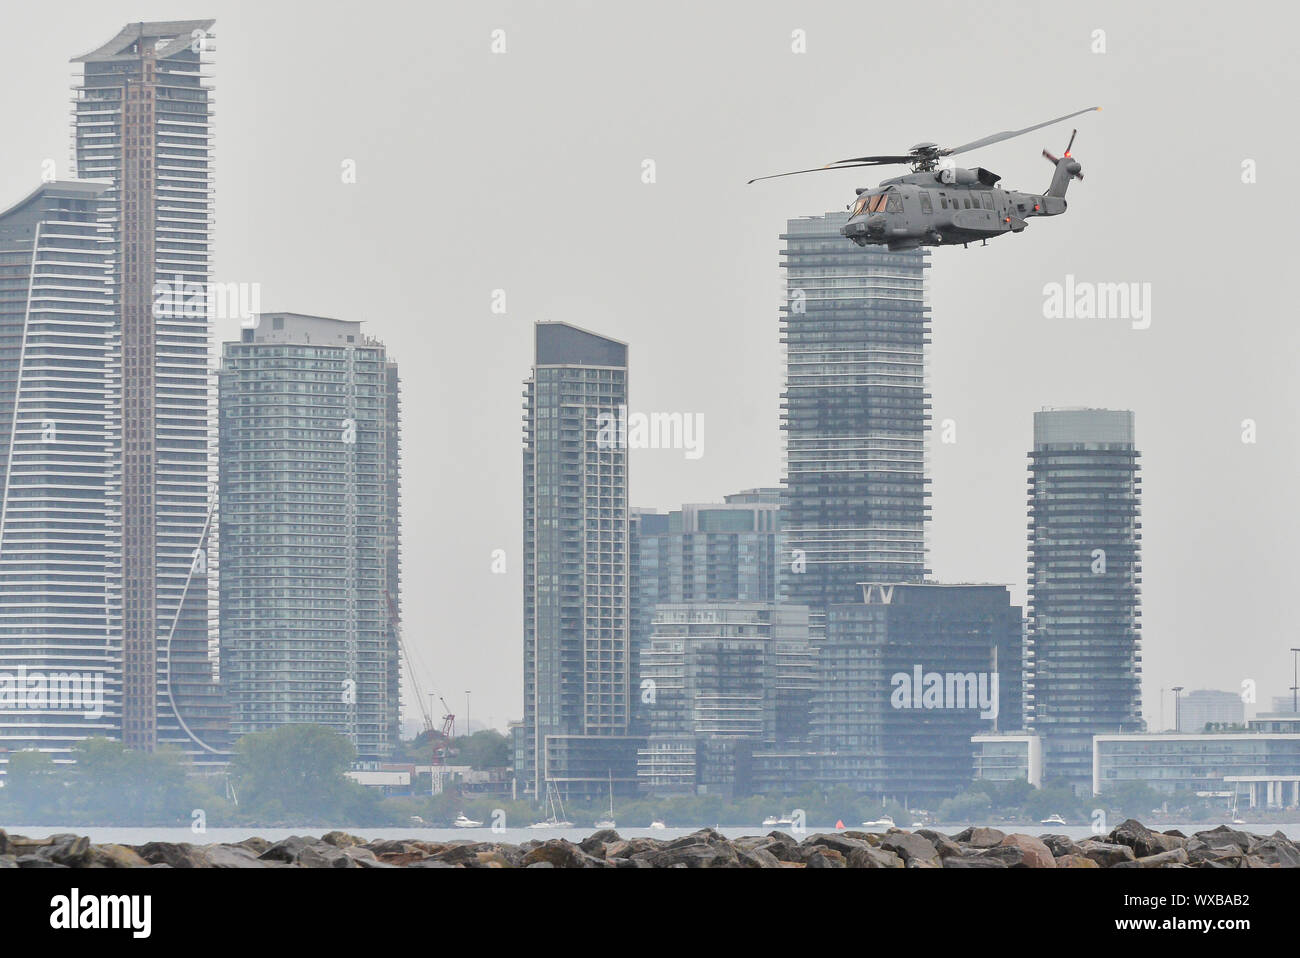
969, 209
940, 205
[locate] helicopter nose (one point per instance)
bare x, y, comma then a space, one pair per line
861, 227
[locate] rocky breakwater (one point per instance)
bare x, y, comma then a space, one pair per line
1131, 845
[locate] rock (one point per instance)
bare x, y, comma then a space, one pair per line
700, 855
996, 857
911, 847
4, 843
306, 853
256, 844
758, 858
946, 846
8, 861
115, 856
70, 850
1033, 853
869, 857
973, 861
1075, 861
1106, 854
340, 839
1143, 840
435, 863
181, 855
823, 857
1225, 856
1223, 835
979, 837
1175, 856
840, 843
233, 856
562, 854
1276, 851
539, 865
36, 861
594, 844
1059, 845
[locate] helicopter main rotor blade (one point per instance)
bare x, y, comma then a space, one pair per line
1008, 134
842, 165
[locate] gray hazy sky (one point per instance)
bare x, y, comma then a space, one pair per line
522, 172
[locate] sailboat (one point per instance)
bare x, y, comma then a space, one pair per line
609, 822
555, 805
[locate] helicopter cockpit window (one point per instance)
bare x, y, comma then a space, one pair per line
988, 201
895, 204
877, 203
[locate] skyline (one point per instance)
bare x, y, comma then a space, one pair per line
1236, 565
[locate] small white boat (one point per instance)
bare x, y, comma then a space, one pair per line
771, 820
881, 824
609, 822
657, 824
555, 805
918, 824
1054, 820
416, 820
463, 822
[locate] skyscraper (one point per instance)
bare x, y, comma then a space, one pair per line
577, 665
141, 121
56, 447
1084, 575
854, 413
903, 671
718, 670
309, 530
710, 552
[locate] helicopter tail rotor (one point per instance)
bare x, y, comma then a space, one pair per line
1067, 168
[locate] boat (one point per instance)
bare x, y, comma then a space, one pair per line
771, 820
463, 822
883, 823
609, 821
555, 805
657, 824
1053, 820
781, 822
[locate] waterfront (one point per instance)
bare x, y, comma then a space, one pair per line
141, 835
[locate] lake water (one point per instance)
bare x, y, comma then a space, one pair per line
139, 836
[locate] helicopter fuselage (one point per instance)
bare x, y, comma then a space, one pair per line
944, 207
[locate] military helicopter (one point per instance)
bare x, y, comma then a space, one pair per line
940, 204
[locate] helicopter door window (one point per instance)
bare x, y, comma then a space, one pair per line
988, 201
895, 203
926, 206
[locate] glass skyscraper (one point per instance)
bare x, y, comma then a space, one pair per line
854, 415
1084, 576
309, 530
57, 441
577, 663
141, 115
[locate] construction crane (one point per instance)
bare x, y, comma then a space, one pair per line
406, 657
439, 740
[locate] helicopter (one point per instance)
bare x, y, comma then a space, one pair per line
941, 204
